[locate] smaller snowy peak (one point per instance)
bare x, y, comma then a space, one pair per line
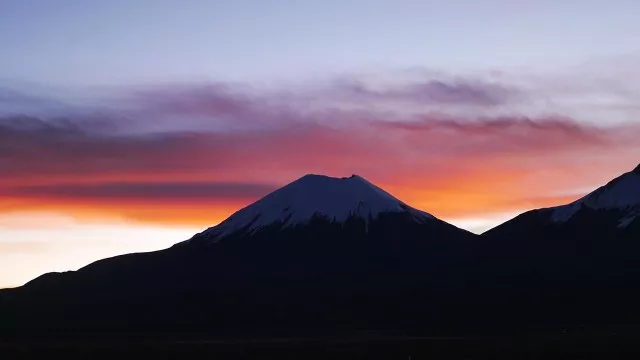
622, 193
336, 199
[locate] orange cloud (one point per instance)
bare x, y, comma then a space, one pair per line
451, 167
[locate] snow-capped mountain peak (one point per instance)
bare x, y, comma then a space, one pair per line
622, 194
335, 199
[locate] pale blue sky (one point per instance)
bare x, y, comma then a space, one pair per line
64, 42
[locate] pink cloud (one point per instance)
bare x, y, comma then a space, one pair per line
225, 145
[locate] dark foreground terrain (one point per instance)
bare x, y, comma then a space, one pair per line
547, 346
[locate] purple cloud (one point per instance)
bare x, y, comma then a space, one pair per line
473, 93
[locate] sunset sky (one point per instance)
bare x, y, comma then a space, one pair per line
130, 125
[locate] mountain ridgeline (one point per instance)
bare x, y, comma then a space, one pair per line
339, 255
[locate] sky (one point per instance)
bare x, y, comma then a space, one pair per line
128, 126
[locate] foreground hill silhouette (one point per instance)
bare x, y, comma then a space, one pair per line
337, 256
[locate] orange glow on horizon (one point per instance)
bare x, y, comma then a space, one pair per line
453, 198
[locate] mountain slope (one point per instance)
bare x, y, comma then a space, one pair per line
611, 211
593, 237
576, 264
320, 253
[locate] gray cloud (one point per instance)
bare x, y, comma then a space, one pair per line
474, 93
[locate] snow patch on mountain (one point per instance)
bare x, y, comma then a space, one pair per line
336, 199
627, 220
622, 193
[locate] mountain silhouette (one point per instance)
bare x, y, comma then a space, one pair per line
321, 252
338, 255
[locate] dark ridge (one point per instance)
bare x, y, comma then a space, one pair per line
637, 170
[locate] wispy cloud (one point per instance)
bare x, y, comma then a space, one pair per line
448, 92
224, 146
39, 149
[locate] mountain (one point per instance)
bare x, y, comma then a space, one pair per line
610, 212
315, 196
573, 264
328, 254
